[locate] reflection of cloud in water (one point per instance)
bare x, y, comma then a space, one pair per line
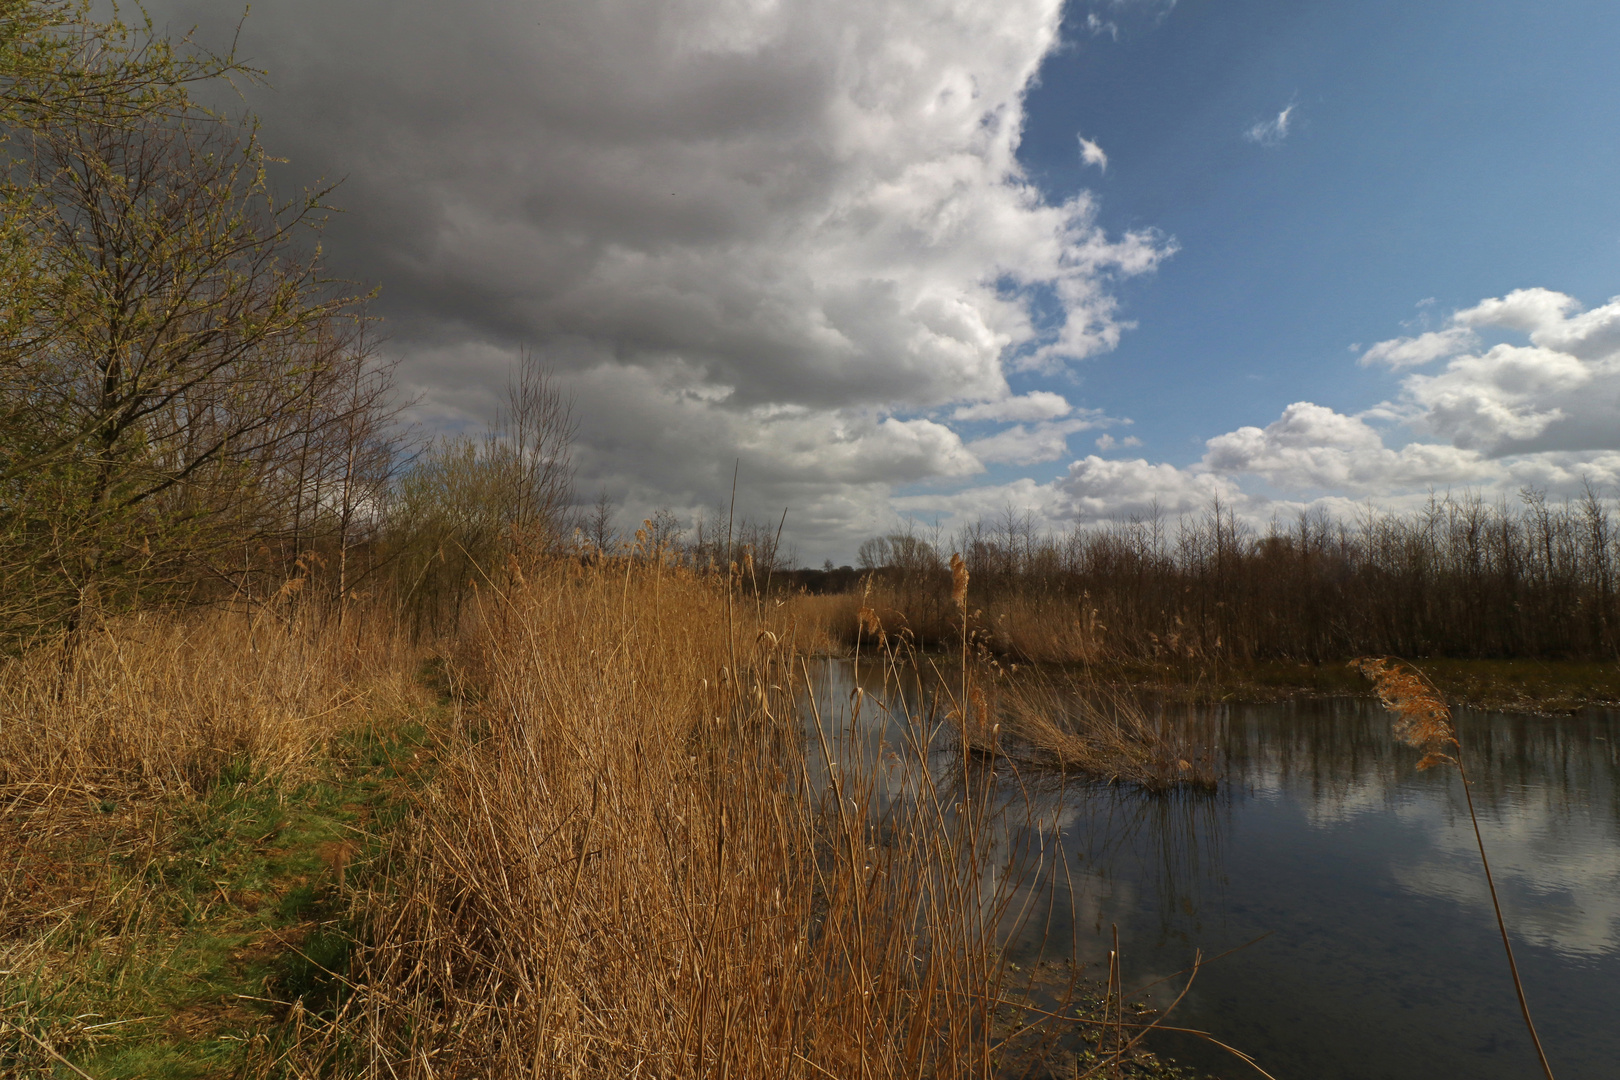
1335, 808
1545, 792
1331, 830
1558, 875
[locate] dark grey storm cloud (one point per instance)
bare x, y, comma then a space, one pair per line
788, 231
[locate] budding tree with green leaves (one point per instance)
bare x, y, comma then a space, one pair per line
185, 395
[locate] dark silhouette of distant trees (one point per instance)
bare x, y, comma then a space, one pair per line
1461, 577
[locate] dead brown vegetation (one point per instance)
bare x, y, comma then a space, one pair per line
1459, 578
632, 865
1058, 720
163, 703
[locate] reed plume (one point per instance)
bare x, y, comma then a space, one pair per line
1422, 717
1423, 721
959, 580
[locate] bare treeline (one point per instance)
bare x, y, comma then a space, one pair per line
1462, 578
709, 541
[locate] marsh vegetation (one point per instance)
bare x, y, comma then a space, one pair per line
1460, 578
327, 750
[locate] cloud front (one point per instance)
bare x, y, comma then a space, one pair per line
788, 232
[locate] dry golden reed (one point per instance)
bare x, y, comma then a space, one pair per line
161, 703
632, 863
1422, 717
1055, 720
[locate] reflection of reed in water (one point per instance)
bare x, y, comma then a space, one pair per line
886, 740
1337, 753
1423, 722
1171, 845
1036, 844
893, 727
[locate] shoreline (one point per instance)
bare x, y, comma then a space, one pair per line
1534, 687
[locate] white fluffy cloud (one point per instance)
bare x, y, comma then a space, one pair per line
1035, 405
1021, 445
1559, 393
786, 223
1092, 154
1408, 352
1097, 489
1312, 448
1542, 414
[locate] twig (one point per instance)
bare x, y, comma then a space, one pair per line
1219, 956
45, 1046
1155, 1026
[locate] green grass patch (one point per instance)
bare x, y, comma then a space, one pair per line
174, 938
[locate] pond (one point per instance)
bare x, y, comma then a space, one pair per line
1377, 953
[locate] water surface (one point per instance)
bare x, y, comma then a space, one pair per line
1379, 954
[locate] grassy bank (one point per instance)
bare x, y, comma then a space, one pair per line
585, 837
188, 808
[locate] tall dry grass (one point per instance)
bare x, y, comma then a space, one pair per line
115, 756
1077, 725
824, 624
1039, 718
162, 703
1037, 626
634, 863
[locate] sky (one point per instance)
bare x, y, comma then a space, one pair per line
937, 259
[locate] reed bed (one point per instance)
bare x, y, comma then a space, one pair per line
1057, 720
636, 862
1041, 718
1037, 627
164, 704
825, 624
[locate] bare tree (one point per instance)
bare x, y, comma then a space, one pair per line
663, 531
532, 442
470, 503
873, 553
599, 530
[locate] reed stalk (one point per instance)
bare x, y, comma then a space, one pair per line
1424, 722
632, 860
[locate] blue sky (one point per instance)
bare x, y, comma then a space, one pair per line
1310, 255
1446, 150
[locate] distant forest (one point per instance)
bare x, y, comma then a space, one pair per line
1462, 577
